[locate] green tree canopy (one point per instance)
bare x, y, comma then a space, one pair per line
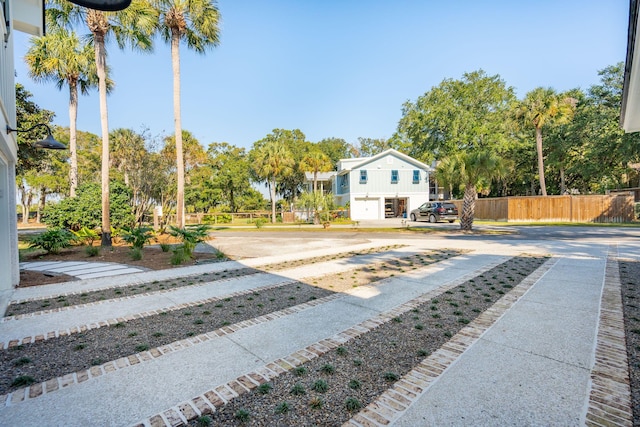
458, 115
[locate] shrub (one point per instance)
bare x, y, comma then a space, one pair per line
352, 404
52, 240
260, 222
190, 235
320, 386
264, 388
92, 251
137, 237
135, 254
85, 210
297, 389
165, 247
178, 256
637, 210
390, 376
22, 381
86, 235
242, 415
283, 408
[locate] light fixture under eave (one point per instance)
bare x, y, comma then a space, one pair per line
49, 142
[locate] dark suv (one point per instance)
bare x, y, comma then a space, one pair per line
435, 211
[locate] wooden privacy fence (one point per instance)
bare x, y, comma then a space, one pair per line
596, 208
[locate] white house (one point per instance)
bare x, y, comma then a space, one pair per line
323, 181
387, 185
26, 16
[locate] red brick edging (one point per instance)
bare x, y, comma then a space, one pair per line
610, 396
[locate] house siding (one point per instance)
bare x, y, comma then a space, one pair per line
365, 197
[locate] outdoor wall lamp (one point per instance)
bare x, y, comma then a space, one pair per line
49, 142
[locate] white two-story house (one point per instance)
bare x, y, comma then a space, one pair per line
387, 185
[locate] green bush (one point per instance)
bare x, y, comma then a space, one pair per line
136, 254
190, 235
92, 251
137, 237
260, 222
86, 235
85, 210
637, 210
52, 240
218, 219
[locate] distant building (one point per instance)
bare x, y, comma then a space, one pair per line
387, 185
323, 181
25, 16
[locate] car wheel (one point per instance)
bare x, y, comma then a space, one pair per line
451, 221
413, 217
432, 218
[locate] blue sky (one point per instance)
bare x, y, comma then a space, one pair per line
343, 68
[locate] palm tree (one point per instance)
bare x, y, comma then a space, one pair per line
132, 26
473, 169
447, 174
315, 161
195, 22
62, 58
272, 162
542, 106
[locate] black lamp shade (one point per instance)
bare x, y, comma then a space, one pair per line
50, 143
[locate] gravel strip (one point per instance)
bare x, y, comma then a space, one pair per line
330, 389
55, 357
52, 304
59, 356
68, 300
306, 261
630, 289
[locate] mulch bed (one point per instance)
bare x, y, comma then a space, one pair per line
362, 369
630, 289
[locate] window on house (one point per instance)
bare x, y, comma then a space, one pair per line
394, 176
363, 177
416, 176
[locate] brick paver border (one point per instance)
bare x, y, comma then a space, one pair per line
210, 400
610, 395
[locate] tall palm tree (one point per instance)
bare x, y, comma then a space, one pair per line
132, 26
542, 106
473, 169
195, 22
62, 58
272, 162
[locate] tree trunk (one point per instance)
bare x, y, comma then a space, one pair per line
563, 184
272, 192
73, 150
175, 62
468, 207
543, 186
43, 201
104, 121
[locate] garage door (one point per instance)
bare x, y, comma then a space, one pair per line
364, 208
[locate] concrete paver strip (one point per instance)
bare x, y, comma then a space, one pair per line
532, 366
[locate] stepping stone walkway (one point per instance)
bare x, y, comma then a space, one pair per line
81, 269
